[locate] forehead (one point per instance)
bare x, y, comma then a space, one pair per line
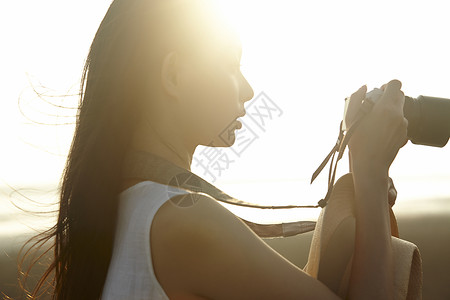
230, 48
205, 31
217, 44
237, 46
230, 43
228, 52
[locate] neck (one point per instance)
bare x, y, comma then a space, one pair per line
164, 143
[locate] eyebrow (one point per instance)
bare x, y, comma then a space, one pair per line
234, 49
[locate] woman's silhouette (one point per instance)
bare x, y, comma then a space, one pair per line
162, 77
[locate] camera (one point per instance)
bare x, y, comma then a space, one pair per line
428, 118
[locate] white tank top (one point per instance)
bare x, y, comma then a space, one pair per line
130, 274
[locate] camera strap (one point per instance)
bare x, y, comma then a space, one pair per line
339, 147
148, 166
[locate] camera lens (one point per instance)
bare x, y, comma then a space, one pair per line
428, 120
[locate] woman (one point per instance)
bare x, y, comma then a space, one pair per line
162, 77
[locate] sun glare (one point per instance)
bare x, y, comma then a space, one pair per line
304, 57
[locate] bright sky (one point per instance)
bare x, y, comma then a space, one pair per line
306, 56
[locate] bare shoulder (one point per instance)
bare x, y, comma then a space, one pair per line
202, 250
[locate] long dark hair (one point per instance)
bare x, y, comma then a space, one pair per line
116, 87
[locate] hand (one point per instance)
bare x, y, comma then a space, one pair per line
381, 134
392, 192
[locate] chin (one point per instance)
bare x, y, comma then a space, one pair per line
224, 139
221, 141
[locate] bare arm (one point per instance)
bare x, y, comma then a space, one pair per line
205, 252
372, 269
373, 147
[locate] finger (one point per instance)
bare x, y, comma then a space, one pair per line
360, 93
405, 132
392, 90
402, 133
394, 83
355, 102
392, 192
392, 196
383, 87
393, 96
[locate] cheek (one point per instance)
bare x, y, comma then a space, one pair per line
210, 103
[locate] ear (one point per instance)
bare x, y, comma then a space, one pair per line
169, 73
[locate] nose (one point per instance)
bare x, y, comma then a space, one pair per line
246, 91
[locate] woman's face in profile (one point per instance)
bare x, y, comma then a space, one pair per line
213, 92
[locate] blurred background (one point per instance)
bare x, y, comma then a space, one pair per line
302, 59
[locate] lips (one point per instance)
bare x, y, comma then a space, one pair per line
238, 123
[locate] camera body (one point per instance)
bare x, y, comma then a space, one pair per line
428, 118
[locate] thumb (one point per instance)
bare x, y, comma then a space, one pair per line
354, 103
